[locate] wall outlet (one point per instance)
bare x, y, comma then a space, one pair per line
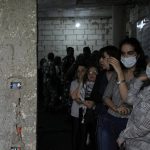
15, 148
15, 85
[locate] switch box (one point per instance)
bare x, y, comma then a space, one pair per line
15, 85
15, 148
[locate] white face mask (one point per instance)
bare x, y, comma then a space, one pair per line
148, 71
128, 62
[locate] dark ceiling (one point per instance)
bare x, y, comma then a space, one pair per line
45, 4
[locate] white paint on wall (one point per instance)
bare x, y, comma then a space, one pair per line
56, 34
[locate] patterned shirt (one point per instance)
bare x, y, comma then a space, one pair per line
86, 90
112, 92
137, 132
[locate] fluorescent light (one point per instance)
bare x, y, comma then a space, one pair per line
77, 25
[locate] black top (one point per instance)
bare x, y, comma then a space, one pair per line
99, 87
98, 91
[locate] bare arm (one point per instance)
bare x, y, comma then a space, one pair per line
74, 91
107, 97
120, 77
110, 104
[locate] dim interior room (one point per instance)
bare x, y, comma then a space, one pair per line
79, 24
35, 31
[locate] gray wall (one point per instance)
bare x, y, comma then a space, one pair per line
56, 34
18, 63
119, 24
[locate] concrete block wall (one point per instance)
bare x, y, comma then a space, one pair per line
56, 34
18, 63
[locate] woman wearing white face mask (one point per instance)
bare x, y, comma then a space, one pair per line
136, 135
132, 58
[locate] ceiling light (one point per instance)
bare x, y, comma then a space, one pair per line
77, 25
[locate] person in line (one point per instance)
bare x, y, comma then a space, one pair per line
75, 87
41, 81
136, 135
115, 120
101, 82
51, 88
68, 60
86, 111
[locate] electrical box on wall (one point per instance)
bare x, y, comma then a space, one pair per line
15, 148
15, 83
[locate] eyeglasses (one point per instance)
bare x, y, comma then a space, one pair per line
92, 72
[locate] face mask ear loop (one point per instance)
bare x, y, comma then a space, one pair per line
137, 57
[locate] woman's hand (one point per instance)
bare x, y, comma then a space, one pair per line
115, 63
120, 141
78, 100
89, 104
123, 110
73, 94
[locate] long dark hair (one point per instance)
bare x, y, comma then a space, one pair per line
141, 63
111, 51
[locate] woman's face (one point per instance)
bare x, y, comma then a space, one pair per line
128, 56
103, 61
81, 72
127, 50
92, 72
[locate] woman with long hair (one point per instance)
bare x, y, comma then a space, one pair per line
136, 135
87, 112
75, 87
102, 79
116, 92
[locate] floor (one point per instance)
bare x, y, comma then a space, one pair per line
54, 129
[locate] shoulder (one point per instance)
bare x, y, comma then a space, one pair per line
74, 82
113, 77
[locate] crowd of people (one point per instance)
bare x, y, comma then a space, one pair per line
107, 92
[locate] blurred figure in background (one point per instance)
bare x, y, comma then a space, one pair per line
68, 60
42, 80
50, 88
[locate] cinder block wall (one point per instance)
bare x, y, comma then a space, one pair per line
56, 34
